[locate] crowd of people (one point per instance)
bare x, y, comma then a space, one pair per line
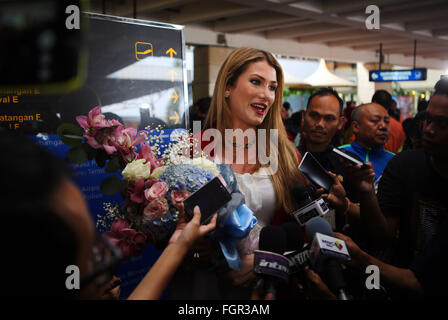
391, 212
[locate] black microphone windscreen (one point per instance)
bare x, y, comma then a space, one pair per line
272, 239
317, 224
300, 192
294, 236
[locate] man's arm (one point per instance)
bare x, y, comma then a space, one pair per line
380, 228
368, 213
398, 278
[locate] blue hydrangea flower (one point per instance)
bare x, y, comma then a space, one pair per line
187, 176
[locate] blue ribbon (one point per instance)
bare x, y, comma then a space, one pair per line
236, 226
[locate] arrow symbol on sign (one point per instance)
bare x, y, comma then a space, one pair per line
176, 117
171, 51
172, 73
175, 96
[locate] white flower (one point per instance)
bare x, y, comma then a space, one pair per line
157, 172
137, 170
206, 164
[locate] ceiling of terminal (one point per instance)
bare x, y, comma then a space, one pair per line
334, 23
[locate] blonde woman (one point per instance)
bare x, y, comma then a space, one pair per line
248, 96
247, 99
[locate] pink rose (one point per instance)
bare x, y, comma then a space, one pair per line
157, 190
177, 197
150, 183
156, 209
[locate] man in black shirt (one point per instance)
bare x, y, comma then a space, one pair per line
412, 200
321, 121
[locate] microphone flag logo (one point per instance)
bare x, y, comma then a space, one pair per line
338, 245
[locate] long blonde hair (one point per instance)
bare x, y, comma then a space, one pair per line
219, 117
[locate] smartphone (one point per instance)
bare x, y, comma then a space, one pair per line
314, 171
210, 198
349, 158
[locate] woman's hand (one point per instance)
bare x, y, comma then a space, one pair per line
188, 233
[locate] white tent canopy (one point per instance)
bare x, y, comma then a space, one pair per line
324, 78
293, 81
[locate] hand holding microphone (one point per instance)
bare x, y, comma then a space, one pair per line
310, 208
326, 255
356, 254
270, 265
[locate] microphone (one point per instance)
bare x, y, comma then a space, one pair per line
326, 255
310, 208
299, 257
269, 263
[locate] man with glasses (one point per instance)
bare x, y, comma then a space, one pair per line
412, 200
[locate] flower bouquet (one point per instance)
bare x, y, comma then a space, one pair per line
154, 185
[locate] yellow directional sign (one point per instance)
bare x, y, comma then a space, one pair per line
143, 50
174, 96
172, 73
171, 51
175, 117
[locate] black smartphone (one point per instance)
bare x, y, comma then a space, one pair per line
314, 171
210, 198
349, 158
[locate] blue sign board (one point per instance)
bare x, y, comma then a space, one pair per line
397, 75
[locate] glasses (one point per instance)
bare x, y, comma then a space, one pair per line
105, 259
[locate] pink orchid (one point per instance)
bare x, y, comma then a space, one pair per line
95, 120
102, 139
91, 140
129, 241
127, 138
147, 154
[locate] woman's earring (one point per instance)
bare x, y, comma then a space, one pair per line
226, 95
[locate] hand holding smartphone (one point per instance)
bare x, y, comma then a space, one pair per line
210, 198
349, 158
314, 172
